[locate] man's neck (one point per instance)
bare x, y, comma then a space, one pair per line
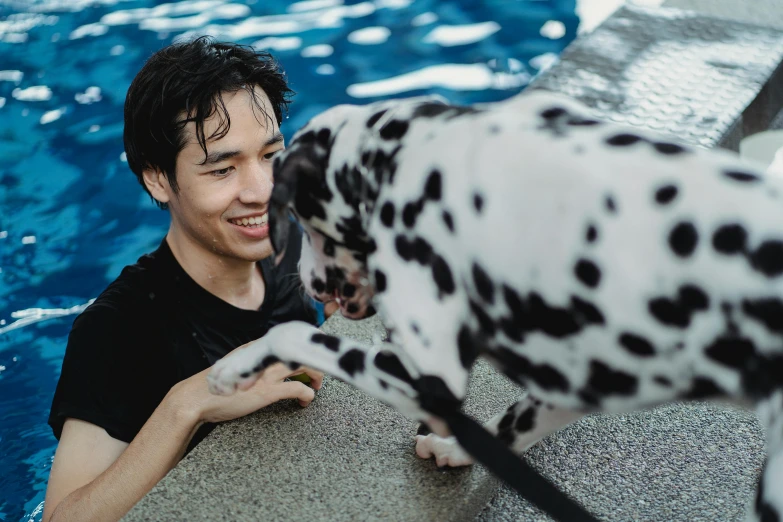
238, 282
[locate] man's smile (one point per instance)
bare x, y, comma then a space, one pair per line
254, 226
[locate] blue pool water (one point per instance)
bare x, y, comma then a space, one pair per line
72, 214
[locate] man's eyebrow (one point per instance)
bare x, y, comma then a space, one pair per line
217, 157
276, 138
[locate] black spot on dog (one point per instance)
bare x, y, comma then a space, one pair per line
322, 138
511, 329
387, 214
329, 248
683, 239
525, 422
553, 321
404, 247
430, 110
352, 308
318, 285
768, 258
394, 130
352, 362
442, 275
744, 177
468, 347
448, 220
380, 281
506, 422
730, 239
374, 118
703, 388
349, 290
669, 148
693, 298
663, 381
483, 284
432, 189
592, 234
478, 202
330, 341
554, 112
665, 194
623, 140
605, 381
269, 360
334, 278
669, 312
586, 311
410, 212
390, 363
422, 251
520, 368
485, 321
588, 273
637, 345
731, 351
582, 122
611, 207
768, 312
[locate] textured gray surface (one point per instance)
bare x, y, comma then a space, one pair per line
679, 462
704, 80
760, 12
346, 457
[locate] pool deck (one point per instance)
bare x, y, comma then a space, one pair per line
348, 457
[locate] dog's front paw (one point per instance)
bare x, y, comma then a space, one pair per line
235, 371
446, 450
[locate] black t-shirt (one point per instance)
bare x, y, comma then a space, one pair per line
155, 326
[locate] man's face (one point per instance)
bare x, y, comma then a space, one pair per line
221, 205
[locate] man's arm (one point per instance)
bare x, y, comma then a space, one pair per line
96, 477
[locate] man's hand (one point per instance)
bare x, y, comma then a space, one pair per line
193, 393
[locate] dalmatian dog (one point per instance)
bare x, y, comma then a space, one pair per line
601, 267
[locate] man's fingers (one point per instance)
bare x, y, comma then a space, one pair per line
316, 377
296, 390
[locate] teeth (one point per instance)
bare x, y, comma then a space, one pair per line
252, 221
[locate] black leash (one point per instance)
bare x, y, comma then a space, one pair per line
510, 468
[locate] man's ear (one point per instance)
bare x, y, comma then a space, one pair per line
158, 185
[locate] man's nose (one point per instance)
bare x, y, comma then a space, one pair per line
257, 184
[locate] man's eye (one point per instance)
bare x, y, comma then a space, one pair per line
272, 154
222, 172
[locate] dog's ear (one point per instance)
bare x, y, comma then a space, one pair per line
289, 170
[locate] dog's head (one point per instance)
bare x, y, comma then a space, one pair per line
329, 177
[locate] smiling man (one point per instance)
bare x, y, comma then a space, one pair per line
201, 130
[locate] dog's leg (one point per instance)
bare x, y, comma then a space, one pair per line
523, 424
374, 370
769, 497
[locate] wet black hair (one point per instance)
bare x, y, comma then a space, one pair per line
185, 82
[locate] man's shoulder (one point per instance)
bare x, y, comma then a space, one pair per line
131, 292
